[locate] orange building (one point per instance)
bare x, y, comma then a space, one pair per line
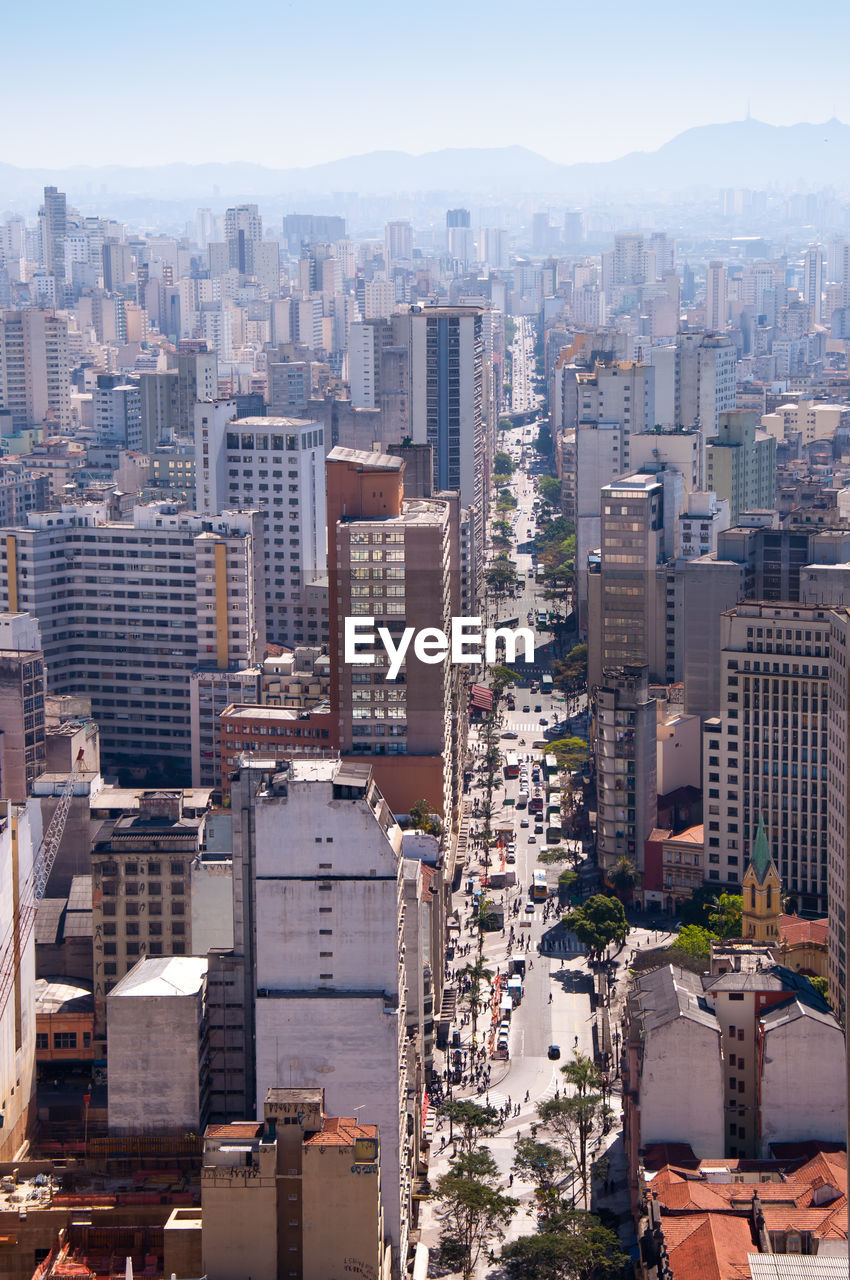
64, 1022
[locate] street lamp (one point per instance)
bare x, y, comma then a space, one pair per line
616, 1053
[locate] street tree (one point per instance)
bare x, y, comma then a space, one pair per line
575, 1117
726, 919
624, 876
470, 1123
503, 463
549, 491
472, 1209
571, 1246
542, 1163
695, 942
500, 575
597, 923
478, 975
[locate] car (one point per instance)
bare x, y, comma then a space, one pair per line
544, 720
524, 822
529, 907
526, 709
553, 1052
538, 828
509, 733
511, 858
532, 839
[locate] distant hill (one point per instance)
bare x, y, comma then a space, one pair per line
742, 153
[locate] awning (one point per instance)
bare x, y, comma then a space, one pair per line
481, 698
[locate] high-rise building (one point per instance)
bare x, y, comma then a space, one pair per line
276, 465
243, 228
318, 920
117, 265
705, 382
53, 217
35, 368
20, 833
128, 609
158, 398
23, 748
838, 821
118, 411
398, 243
398, 562
813, 281
459, 240
767, 752
626, 766
716, 298
629, 262
197, 379
741, 463
450, 401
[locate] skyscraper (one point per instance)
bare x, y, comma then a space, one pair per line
54, 227
243, 228
716, 298
813, 280
35, 368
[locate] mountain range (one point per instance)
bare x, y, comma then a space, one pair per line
745, 153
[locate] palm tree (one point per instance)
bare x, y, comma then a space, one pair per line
624, 876
477, 974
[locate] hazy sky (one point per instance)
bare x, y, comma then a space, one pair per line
294, 84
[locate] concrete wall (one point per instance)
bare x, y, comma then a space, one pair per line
803, 1084
153, 1062
212, 906
678, 753
335, 1191
20, 833
681, 1088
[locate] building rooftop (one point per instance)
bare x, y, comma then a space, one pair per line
668, 993
60, 996
362, 458
340, 1131
162, 976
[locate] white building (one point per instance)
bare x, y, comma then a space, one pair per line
156, 1037
716, 298
276, 465
35, 368
706, 383
813, 281
118, 415
320, 856
700, 524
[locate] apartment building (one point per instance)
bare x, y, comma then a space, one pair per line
128, 610
626, 766
319, 921
767, 752
35, 372
741, 463
210, 693
141, 889
275, 465
23, 743
838, 820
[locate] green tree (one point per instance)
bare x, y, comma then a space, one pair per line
571, 674
542, 1163
575, 1117
695, 942
422, 819
597, 923
543, 443
503, 463
726, 920
549, 491
624, 876
821, 985
479, 975
572, 1246
501, 575
571, 753
470, 1123
472, 1209
698, 908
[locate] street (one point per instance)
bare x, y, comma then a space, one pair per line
523, 367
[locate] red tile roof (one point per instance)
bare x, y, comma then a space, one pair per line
340, 1131
793, 930
709, 1247
240, 1130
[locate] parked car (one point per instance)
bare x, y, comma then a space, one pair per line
532, 839
553, 1052
524, 822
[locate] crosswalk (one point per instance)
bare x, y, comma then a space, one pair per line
527, 726
499, 1099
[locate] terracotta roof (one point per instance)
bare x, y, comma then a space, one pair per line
794, 930
341, 1131
657, 834
709, 1247
240, 1131
693, 835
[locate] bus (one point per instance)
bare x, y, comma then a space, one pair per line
547, 684
554, 830
551, 764
553, 805
535, 804
511, 769
539, 891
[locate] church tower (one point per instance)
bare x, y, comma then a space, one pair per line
762, 905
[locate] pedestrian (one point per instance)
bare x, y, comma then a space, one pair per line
550, 997
511, 1180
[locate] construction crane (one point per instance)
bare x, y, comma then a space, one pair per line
33, 888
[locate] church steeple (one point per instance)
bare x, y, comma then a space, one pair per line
761, 892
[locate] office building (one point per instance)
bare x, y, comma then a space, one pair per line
741, 463
211, 692
629, 264
157, 1033
397, 561
716, 298
118, 266
319, 922
450, 402
838, 822
141, 888
766, 753
243, 228
813, 281
118, 412
53, 220
705, 381
269, 1191
128, 609
622, 392
158, 403
275, 465
398, 244
35, 369
626, 766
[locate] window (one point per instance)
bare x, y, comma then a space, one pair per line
64, 1040
41, 1040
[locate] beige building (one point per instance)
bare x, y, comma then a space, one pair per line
741, 463
35, 382
296, 1197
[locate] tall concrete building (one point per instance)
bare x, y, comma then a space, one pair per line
629, 266
53, 219
20, 834
450, 401
243, 228
128, 609
838, 821
23, 744
197, 379
741, 463
158, 404
397, 561
318, 919
626, 766
621, 392
275, 465
705, 383
767, 751
398, 243
118, 411
716, 298
813, 281
35, 368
